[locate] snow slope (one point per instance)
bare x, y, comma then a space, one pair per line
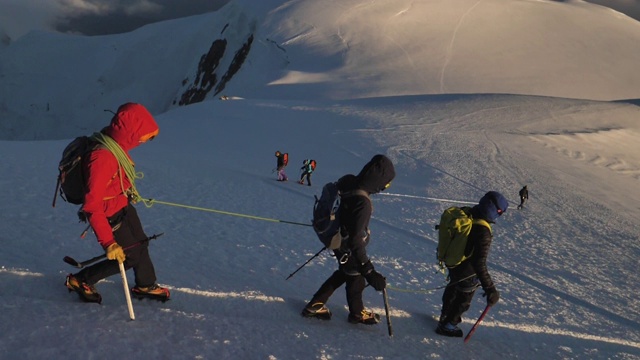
564, 264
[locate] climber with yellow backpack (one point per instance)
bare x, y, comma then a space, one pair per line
464, 239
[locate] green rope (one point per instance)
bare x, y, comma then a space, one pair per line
150, 202
422, 291
426, 291
123, 163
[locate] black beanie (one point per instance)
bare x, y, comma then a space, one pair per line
376, 174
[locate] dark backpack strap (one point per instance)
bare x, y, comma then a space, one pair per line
356, 192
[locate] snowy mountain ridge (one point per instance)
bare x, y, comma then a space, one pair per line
270, 51
458, 117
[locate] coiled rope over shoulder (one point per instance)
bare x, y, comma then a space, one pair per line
124, 163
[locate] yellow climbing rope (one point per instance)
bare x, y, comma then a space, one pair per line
124, 163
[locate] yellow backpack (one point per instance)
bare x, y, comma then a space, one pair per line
453, 230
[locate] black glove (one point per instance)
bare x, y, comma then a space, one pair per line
492, 295
82, 216
374, 278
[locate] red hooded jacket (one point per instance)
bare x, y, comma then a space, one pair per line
131, 126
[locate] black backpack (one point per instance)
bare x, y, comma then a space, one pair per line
325, 220
71, 182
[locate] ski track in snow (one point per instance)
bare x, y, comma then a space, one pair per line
449, 52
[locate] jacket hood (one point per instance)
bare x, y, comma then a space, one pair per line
376, 174
491, 206
132, 125
347, 183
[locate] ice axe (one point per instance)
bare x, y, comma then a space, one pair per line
475, 326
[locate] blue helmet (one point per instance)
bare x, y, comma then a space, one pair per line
491, 206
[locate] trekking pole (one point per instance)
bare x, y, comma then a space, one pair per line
475, 326
301, 266
132, 316
55, 194
386, 311
71, 261
86, 230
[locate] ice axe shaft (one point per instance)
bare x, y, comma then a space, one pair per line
386, 311
475, 326
125, 284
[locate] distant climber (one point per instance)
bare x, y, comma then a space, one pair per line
524, 196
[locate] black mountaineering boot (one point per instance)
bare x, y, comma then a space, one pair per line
316, 310
86, 292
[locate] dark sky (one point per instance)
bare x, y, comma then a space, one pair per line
94, 17
123, 19
630, 8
